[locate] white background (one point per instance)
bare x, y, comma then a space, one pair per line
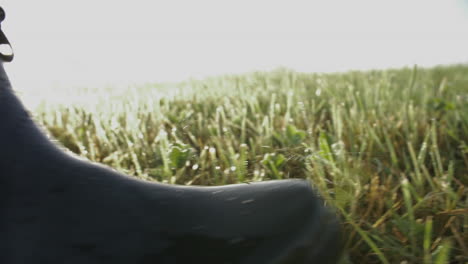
94, 42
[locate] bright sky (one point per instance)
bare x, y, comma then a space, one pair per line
91, 42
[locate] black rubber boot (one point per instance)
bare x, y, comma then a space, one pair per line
57, 208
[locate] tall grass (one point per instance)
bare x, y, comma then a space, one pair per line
388, 149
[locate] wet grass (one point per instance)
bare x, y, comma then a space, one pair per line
388, 149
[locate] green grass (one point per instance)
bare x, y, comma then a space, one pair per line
388, 149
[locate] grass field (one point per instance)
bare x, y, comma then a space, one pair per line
388, 149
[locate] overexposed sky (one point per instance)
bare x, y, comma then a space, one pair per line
93, 42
